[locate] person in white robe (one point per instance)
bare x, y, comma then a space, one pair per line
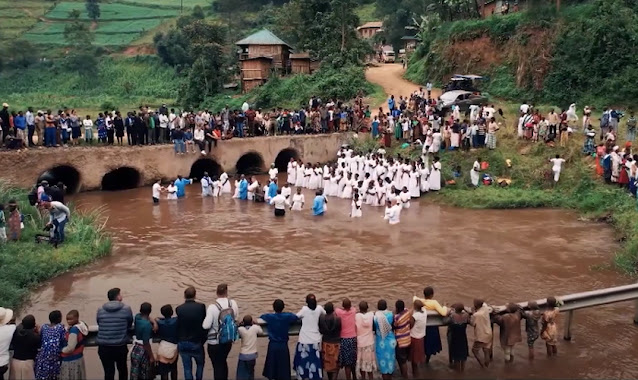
236, 194
266, 195
425, 173
371, 192
346, 193
415, 188
299, 177
171, 191
475, 173
557, 166
393, 213
405, 197
252, 188
325, 175
286, 191
381, 191
307, 174
224, 183
217, 189
207, 185
355, 207
435, 175
436, 142
273, 171
292, 172
298, 201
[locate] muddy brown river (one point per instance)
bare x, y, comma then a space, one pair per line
501, 256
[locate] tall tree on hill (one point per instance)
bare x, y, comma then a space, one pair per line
82, 58
93, 9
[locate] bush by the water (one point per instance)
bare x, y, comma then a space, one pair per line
585, 53
25, 264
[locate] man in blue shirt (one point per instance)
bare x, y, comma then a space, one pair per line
20, 123
181, 186
272, 188
243, 188
391, 104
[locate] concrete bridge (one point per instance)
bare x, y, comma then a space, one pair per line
119, 168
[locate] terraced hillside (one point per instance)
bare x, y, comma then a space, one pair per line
121, 22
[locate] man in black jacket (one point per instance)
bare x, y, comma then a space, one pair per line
190, 334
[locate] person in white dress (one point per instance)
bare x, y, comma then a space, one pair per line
298, 201
266, 196
405, 197
347, 187
436, 142
371, 193
415, 188
393, 213
381, 191
425, 173
307, 174
435, 175
475, 173
292, 172
216, 187
557, 166
224, 183
236, 193
406, 169
207, 185
171, 191
273, 171
286, 191
299, 177
355, 211
325, 177
252, 188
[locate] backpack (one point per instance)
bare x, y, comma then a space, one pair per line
226, 325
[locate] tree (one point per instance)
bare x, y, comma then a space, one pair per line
19, 54
82, 58
93, 9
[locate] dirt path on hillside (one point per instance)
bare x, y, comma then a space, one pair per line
390, 77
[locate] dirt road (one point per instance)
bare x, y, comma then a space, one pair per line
390, 77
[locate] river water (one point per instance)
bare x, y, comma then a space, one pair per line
498, 255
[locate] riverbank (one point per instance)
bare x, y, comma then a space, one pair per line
25, 264
531, 186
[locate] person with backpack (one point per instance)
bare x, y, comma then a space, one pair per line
221, 323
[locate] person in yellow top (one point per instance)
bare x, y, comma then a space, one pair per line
432, 335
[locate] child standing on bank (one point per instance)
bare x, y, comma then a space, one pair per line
248, 353
532, 316
72, 367
510, 323
549, 330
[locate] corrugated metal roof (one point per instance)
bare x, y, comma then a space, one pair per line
263, 37
371, 24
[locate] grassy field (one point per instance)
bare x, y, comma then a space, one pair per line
125, 83
16, 17
25, 264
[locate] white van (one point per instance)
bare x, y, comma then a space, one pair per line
387, 56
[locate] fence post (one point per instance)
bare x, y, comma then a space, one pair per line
568, 325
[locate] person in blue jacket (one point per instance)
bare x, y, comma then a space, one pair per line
181, 186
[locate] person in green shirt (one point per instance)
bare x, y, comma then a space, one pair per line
152, 139
142, 358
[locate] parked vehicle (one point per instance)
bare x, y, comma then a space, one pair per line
463, 99
463, 82
387, 54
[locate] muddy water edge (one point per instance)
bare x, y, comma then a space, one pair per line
498, 255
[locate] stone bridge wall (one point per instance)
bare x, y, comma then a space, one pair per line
91, 163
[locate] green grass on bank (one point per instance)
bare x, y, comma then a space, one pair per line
579, 188
25, 264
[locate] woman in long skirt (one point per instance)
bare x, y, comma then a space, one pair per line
415, 188
52, 337
425, 173
307, 362
299, 176
141, 353
277, 366
73, 367
385, 342
347, 187
435, 175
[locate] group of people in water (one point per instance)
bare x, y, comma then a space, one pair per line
371, 179
331, 338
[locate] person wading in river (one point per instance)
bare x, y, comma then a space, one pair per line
220, 318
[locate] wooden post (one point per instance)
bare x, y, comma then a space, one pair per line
568, 325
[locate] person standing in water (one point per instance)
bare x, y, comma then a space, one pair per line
224, 183
298, 201
280, 202
318, 205
157, 191
243, 188
207, 185
181, 186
